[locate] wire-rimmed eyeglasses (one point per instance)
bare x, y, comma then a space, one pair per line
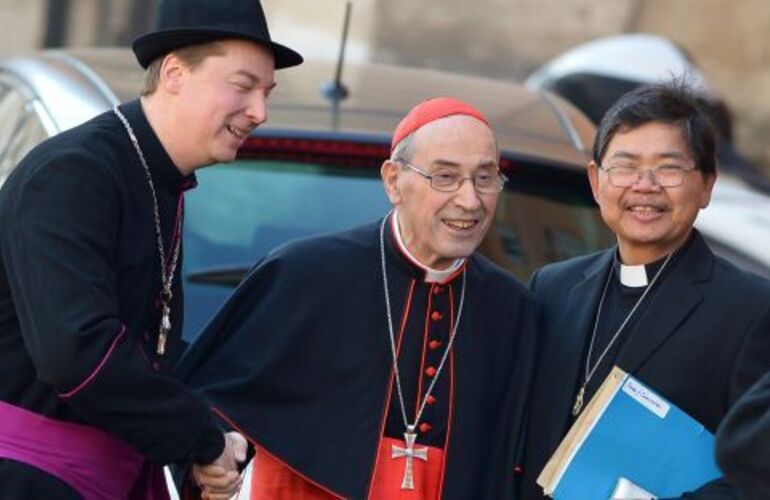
662, 175
486, 182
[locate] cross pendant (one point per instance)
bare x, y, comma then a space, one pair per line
165, 327
410, 453
578, 402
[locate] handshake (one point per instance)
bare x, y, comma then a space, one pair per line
221, 479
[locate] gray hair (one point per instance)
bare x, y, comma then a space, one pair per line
404, 150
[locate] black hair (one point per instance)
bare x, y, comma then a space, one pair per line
674, 103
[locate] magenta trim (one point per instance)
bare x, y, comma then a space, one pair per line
189, 184
98, 367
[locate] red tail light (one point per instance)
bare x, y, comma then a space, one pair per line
323, 151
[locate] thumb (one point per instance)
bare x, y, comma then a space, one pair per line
240, 446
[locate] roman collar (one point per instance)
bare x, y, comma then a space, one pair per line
421, 271
639, 276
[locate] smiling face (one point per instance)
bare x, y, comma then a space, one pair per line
650, 221
439, 227
220, 101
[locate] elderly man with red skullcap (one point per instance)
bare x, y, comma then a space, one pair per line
390, 360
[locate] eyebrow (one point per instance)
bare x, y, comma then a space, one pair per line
449, 163
254, 79
676, 155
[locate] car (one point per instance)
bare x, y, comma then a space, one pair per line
594, 75
314, 166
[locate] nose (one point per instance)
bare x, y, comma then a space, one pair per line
646, 181
467, 197
256, 109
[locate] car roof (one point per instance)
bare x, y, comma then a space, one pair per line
530, 125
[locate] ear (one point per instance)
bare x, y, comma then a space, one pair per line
593, 178
709, 180
390, 172
172, 72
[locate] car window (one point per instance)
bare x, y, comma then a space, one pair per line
532, 230
20, 128
241, 211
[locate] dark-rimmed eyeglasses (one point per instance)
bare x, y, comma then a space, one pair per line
663, 175
448, 182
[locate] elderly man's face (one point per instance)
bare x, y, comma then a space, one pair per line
223, 99
439, 227
650, 221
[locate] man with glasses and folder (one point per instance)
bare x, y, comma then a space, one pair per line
660, 305
390, 360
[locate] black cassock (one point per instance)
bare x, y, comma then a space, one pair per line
79, 317
299, 359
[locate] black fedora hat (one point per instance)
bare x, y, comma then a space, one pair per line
189, 22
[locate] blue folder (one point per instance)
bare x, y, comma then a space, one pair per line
640, 436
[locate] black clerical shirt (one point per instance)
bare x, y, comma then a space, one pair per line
619, 301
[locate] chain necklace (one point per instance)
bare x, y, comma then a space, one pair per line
166, 272
589, 371
410, 452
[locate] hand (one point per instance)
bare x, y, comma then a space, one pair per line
220, 479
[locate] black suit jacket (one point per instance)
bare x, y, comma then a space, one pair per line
703, 339
743, 442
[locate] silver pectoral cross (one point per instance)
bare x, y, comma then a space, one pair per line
410, 453
165, 327
578, 406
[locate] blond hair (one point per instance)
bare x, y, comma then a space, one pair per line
191, 56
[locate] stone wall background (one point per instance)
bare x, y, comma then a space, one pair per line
504, 39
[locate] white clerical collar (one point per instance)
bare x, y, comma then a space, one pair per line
637, 276
431, 275
633, 276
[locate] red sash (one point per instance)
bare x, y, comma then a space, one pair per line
271, 479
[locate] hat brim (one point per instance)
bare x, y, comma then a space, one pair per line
149, 47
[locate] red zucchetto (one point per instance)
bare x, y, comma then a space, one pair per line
432, 110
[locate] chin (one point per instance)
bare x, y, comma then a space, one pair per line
225, 156
460, 251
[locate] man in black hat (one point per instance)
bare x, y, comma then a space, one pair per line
90, 286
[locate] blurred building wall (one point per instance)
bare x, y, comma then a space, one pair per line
22, 24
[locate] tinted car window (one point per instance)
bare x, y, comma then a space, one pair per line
243, 210
534, 229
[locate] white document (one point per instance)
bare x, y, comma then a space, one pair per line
626, 490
